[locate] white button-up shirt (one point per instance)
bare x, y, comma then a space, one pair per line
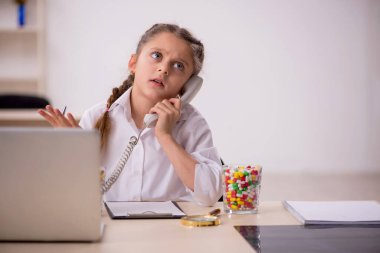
149, 175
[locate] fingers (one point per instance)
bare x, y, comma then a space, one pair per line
176, 102
56, 118
48, 118
50, 109
174, 105
168, 114
63, 122
167, 109
167, 106
72, 120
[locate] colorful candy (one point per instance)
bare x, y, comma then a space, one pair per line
241, 188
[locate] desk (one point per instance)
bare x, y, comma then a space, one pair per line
168, 235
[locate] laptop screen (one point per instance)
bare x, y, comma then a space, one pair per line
49, 184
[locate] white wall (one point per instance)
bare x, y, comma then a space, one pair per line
293, 85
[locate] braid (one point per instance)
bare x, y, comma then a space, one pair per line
104, 124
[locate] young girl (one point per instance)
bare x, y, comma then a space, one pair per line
175, 160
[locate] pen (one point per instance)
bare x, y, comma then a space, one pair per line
64, 111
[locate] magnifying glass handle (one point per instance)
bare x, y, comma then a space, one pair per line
214, 212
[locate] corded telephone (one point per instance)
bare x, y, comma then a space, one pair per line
190, 89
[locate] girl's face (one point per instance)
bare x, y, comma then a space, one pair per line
162, 67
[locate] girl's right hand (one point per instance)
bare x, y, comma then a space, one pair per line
56, 118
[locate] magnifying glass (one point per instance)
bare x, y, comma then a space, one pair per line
210, 219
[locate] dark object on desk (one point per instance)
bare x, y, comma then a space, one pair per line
221, 198
319, 238
13, 101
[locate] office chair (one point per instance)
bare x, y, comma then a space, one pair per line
16, 101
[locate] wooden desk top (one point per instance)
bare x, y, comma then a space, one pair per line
168, 235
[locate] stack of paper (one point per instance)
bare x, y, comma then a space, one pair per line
335, 212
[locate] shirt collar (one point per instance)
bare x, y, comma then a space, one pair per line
124, 102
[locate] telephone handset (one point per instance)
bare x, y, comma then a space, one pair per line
190, 89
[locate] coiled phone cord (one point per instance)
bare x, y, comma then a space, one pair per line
120, 165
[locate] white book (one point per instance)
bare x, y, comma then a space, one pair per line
334, 212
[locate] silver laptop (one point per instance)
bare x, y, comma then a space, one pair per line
49, 185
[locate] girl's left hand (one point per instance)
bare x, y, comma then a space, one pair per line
56, 118
169, 112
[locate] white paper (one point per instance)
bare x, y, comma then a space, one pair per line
335, 212
134, 208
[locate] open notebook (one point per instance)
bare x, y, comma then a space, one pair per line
144, 210
335, 212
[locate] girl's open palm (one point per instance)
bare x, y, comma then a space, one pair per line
56, 118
